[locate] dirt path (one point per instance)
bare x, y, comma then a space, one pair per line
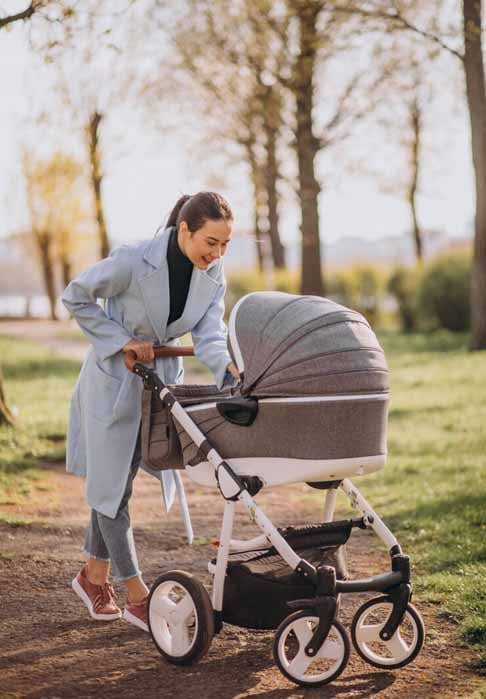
51, 648
61, 336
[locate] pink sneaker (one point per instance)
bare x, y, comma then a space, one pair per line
100, 599
137, 614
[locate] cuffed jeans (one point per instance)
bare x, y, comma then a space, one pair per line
112, 540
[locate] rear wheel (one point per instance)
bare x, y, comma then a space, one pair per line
291, 638
180, 617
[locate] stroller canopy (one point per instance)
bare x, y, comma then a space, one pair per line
288, 345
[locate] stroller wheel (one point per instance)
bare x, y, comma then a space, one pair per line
291, 638
402, 647
180, 617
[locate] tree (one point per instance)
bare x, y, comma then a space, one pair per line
56, 201
404, 116
476, 98
391, 14
235, 75
6, 416
306, 143
20, 16
93, 78
93, 138
313, 35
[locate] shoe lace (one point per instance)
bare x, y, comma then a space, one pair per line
106, 594
111, 592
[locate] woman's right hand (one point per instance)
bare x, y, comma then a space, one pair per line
143, 350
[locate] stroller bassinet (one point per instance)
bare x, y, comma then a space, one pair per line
314, 392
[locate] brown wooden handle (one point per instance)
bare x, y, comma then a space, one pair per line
159, 351
168, 351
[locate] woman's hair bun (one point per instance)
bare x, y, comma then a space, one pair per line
195, 210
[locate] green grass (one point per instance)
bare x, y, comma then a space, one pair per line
432, 493
38, 385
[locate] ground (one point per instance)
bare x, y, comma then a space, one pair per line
51, 648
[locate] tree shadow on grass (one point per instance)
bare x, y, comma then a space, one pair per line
399, 413
44, 368
458, 513
395, 343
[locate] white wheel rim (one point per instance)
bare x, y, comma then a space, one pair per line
173, 618
398, 648
299, 665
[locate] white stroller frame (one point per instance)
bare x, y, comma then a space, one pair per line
315, 625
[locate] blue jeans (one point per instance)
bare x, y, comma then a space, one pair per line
112, 540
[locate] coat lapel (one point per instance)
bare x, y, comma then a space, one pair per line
201, 292
155, 289
155, 284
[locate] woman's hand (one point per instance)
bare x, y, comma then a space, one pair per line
143, 350
233, 371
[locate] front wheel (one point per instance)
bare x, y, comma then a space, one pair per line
405, 644
291, 638
180, 617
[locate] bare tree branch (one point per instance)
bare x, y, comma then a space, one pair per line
396, 18
25, 14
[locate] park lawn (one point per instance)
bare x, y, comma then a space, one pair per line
38, 386
432, 492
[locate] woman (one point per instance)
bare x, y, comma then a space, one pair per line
155, 292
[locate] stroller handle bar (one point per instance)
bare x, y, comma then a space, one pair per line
159, 351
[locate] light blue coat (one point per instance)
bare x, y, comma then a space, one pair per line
105, 408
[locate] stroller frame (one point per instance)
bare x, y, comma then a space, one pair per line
395, 585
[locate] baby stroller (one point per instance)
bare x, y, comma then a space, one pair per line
311, 406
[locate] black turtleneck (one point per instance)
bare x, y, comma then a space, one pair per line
180, 271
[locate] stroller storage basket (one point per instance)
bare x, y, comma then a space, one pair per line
259, 584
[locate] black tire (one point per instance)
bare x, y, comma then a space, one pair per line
338, 628
203, 611
414, 614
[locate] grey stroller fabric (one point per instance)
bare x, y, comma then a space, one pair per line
305, 345
320, 377
310, 430
161, 448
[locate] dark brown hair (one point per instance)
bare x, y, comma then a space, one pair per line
195, 210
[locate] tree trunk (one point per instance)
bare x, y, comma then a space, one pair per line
259, 243
96, 180
307, 148
271, 120
258, 197
415, 118
44, 243
476, 99
66, 270
6, 417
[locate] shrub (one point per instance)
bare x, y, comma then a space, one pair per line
242, 283
361, 287
444, 291
403, 286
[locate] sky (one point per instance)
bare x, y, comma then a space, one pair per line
148, 172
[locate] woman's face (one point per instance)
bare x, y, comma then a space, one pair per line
207, 243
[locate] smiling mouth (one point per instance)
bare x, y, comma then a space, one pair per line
207, 260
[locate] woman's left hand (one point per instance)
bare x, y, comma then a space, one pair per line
233, 370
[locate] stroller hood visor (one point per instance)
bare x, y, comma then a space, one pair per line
289, 345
